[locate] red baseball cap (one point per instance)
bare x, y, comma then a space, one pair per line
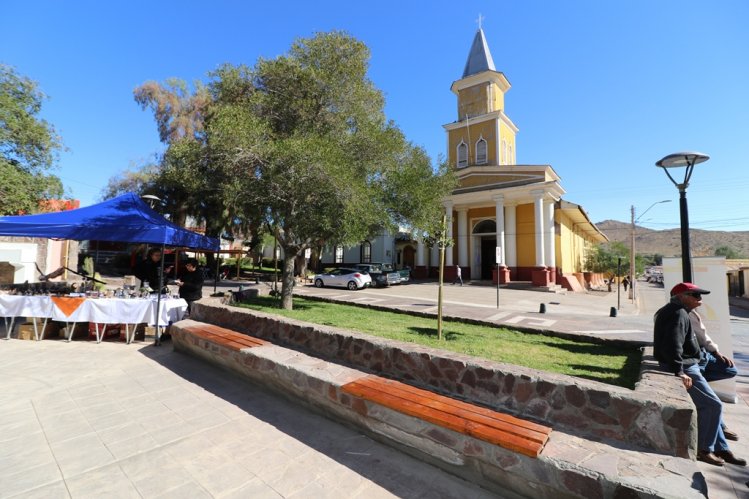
688, 287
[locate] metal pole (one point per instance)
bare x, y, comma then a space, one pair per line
215, 276
441, 243
686, 257
497, 285
619, 284
157, 342
632, 257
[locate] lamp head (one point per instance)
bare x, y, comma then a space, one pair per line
682, 159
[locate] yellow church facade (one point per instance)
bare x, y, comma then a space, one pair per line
507, 221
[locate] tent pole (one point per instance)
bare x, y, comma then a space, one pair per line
158, 298
215, 277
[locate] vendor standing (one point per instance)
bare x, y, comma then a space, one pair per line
190, 283
149, 270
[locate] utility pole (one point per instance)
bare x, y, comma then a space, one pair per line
632, 278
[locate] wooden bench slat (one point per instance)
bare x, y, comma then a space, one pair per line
456, 423
464, 409
492, 424
225, 337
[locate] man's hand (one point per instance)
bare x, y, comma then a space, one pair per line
686, 380
727, 360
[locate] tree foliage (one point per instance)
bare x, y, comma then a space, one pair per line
28, 146
298, 145
728, 252
604, 258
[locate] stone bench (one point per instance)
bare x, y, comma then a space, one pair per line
478, 422
566, 466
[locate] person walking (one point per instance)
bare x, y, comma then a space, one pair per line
458, 275
676, 349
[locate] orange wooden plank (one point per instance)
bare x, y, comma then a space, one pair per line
464, 409
487, 425
460, 425
470, 412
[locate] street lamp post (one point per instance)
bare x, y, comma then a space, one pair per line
632, 253
678, 160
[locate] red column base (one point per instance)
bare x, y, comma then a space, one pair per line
503, 273
540, 277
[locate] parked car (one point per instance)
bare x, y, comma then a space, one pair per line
352, 279
405, 274
382, 274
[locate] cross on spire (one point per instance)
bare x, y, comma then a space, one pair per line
481, 18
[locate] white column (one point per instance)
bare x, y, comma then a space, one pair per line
463, 237
420, 250
549, 238
499, 200
538, 215
511, 230
434, 257
449, 249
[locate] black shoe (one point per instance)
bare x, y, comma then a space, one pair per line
710, 458
166, 337
730, 435
727, 456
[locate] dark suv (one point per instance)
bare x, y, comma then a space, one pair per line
382, 274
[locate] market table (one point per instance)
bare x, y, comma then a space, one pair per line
70, 309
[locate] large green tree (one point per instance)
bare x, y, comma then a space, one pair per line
28, 146
315, 158
299, 146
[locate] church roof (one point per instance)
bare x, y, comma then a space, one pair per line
479, 58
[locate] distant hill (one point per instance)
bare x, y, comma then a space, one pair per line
668, 242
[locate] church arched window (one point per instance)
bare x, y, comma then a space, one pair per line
462, 155
510, 157
481, 151
504, 152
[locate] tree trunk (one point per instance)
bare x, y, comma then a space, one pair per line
287, 286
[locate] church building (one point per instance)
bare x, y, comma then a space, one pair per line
507, 221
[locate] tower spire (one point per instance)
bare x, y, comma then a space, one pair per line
479, 57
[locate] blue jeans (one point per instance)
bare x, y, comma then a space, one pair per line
714, 369
709, 412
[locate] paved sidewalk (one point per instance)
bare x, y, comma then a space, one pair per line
112, 420
116, 420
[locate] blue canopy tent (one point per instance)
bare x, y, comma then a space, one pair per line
124, 218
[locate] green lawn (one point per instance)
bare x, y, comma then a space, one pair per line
608, 364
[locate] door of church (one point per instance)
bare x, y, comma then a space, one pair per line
488, 255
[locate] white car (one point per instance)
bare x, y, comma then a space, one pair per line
345, 278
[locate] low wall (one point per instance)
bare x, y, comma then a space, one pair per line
658, 415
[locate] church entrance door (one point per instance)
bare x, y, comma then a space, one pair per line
488, 255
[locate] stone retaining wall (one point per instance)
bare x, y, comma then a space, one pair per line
658, 415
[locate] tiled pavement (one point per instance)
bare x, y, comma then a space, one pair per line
114, 420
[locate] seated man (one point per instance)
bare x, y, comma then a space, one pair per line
676, 348
713, 365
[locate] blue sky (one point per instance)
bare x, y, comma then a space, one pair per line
600, 89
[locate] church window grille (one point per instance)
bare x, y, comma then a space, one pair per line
366, 252
338, 253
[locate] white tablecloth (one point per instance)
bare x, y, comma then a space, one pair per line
100, 310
